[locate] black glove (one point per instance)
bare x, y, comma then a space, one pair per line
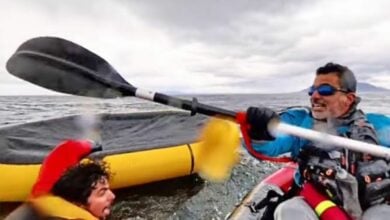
258, 119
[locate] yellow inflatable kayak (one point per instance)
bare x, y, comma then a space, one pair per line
139, 147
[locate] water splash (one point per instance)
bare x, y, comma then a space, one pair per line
90, 126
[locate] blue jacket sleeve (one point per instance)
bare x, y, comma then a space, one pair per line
286, 143
381, 124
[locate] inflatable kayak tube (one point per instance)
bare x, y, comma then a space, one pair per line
139, 148
280, 181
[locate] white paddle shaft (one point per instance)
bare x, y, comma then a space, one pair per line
354, 145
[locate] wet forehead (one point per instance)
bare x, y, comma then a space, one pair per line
331, 79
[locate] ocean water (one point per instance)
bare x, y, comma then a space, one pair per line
22, 109
182, 198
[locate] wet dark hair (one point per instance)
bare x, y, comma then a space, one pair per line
347, 78
77, 183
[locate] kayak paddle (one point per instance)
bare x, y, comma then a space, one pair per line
64, 66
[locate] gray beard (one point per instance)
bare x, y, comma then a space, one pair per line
329, 126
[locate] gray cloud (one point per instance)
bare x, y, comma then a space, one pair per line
204, 14
212, 46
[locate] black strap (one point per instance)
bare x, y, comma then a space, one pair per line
271, 201
268, 200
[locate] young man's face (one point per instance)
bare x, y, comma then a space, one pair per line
101, 198
331, 106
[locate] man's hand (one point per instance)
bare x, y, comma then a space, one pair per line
258, 119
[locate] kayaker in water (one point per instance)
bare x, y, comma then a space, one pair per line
82, 190
354, 181
87, 185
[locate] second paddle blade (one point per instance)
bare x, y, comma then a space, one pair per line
64, 66
219, 149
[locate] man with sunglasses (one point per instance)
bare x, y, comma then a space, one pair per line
333, 110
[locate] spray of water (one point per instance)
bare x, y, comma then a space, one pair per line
90, 126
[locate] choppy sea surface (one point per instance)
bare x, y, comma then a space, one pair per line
183, 198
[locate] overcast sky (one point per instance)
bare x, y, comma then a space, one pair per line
207, 46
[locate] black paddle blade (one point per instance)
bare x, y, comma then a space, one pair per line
64, 66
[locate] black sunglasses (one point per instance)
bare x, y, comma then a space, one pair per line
324, 90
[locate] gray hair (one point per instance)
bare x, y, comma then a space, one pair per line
347, 78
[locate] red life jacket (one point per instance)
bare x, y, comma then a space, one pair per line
65, 155
324, 208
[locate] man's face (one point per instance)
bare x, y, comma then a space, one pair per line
332, 106
101, 198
